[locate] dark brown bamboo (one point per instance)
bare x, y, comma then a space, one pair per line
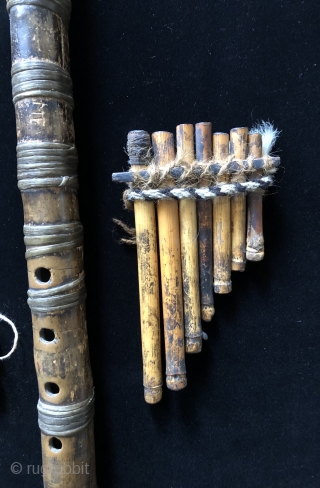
205, 226
47, 177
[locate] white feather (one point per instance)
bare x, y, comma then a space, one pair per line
268, 133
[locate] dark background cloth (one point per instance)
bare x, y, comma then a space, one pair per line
250, 414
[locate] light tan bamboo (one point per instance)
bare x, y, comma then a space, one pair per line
189, 248
255, 240
221, 223
148, 272
170, 266
238, 147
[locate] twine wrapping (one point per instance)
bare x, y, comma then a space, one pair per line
178, 180
65, 420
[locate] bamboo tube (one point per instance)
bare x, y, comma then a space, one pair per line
205, 226
189, 249
147, 254
238, 148
47, 161
221, 224
170, 266
255, 240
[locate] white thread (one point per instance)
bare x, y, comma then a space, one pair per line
227, 188
204, 192
156, 194
181, 193
267, 179
251, 185
64, 181
15, 341
269, 135
135, 196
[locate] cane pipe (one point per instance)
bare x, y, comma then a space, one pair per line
255, 240
189, 248
138, 147
170, 268
47, 178
221, 222
205, 226
238, 148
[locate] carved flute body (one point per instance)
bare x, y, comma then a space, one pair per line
47, 179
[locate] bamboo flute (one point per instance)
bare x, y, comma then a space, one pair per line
47, 178
170, 267
205, 226
221, 223
255, 240
189, 248
238, 148
147, 252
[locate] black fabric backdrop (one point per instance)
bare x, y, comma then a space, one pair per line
250, 414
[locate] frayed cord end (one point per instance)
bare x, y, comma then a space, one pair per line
269, 135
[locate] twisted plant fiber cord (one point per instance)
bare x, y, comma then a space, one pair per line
186, 180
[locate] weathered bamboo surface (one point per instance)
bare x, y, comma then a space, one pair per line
197, 260
148, 274
238, 148
171, 278
221, 224
255, 239
47, 163
189, 249
205, 226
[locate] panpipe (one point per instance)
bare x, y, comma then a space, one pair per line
198, 212
47, 179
